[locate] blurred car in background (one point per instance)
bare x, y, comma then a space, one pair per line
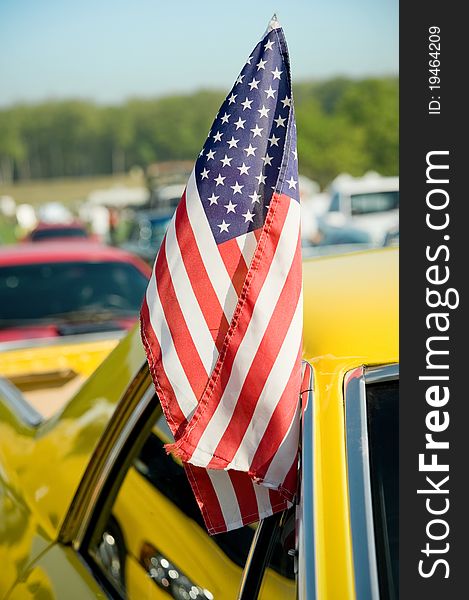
52, 289
58, 231
318, 238
369, 203
63, 308
146, 232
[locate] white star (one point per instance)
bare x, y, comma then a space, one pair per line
236, 188
274, 140
243, 169
291, 183
280, 121
257, 131
230, 207
261, 178
246, 104
240, 123
225, 118
217, 136
254, 84
255, 197
232, 98
295, 154
223, 226
202, 151
213, 199
261, 64
270, 92
248, 216
226, 162
250, 151
276, 73
220, 180
204, 174
240, 79
269, 44
286, 102
267, 159
210, 154
264, 112
233, 143
249, 60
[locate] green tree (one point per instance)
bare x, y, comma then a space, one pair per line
373, 104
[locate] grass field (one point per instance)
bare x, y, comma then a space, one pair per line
69, 191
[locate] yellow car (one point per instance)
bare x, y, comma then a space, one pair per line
49, 371
92, 507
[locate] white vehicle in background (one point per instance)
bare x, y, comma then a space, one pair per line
369, 203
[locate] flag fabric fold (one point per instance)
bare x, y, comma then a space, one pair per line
221, 320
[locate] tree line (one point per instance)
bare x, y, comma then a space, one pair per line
343, 125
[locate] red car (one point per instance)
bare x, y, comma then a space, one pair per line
52, 289
58, 231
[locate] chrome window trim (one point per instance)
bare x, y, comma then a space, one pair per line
15, 400
382, 374
306, 542
358, 475
109, 463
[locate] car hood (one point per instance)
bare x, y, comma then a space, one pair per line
54, 330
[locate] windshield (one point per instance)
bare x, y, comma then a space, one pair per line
49, 234
76, 289
383, 431
375, 202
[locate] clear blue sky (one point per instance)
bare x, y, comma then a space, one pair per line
110, 50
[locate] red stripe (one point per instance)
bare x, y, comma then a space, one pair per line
277, 501
279, 423
164, 389
207, 498
234, 263
200, 281
261, 367
220, 376
245, 495
181, 337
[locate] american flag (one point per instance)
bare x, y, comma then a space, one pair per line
222, 317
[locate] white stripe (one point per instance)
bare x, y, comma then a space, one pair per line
247, 244
286, 454
187, 300
262, 313
264, 506
208, 249
226, 497
271, 393
171, 364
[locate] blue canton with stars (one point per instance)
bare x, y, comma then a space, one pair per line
250, 151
